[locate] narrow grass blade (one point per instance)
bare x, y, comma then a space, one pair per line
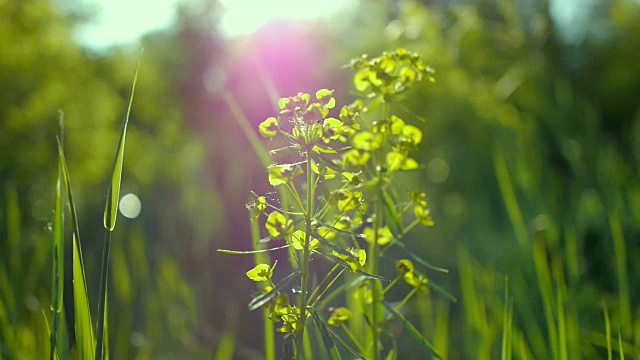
58, 261
546, 290
607, 327
262, 299
85, 340
509, 197
110, 215
345, 344
622, 275
418, 259
620, 348
507, 324
440, 290
111, 208
335, 260
248, 130
327, 342
412, 330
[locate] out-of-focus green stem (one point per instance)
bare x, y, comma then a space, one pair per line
306, 253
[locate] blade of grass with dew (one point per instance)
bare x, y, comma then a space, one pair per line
58, 263
110, 215
412, 330
328, 343
85, 340
607, 327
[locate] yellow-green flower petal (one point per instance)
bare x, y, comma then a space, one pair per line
269, 127
262, 272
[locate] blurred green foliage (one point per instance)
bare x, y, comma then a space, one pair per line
531, 145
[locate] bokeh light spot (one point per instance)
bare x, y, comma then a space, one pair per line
130, 206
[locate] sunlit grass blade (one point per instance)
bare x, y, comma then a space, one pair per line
262, 299
247, 128
110, 215
85, 340
412, 330
58, 262
328, 343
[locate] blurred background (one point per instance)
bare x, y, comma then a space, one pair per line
531, 151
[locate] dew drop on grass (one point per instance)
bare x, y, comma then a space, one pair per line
130, 206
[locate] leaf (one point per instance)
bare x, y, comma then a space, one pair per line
346, 265
111, 208
418, 259
262, 299
110, 214
85, 339
58, 262
261, 272
412, 330
442, 291
326, 338
345, 344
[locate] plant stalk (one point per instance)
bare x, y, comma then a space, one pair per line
103, 295
305, 257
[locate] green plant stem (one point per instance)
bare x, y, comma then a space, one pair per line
353, 339
326, 278
378, 223
328, 286
103, 295
305, 256
395, 281
404, 301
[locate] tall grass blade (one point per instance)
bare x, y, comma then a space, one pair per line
248, 130
110, 215
509, 197
85, 339
58, 262
546, 290
620, 348
507, 328
622, 274
327, 342
412, 330
607, 327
